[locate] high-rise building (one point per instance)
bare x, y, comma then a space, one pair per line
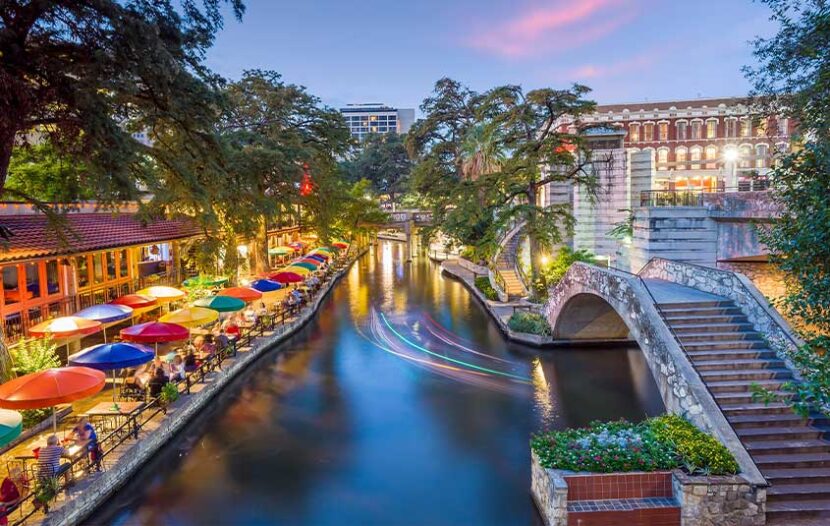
375, 117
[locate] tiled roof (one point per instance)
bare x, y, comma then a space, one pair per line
85, 232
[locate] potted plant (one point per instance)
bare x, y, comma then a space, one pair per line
45, 492
169, 394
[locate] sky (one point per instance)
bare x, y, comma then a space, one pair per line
393, 51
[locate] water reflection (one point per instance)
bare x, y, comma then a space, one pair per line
399, 404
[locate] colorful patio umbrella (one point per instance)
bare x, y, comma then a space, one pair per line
11, 425
303, 264
242, 293
155, 332
220, 303
106, 313
163, 293
204, 281
297, 270
317, 257
286, 277
340, 244
265, 285
297, 245
135, 301
281, 250
112, 356
191, 316
322, 249
51, 387
311, 261
65, 327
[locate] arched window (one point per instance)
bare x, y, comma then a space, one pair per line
648, 131
697, 126
746, 127
731, 124
761, 155
662, 158
663, 130
711, 155
682, 130
711, 128
680, 157
634, 132
695, 154
746, 153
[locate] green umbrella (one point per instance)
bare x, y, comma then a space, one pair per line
11, 425
221, 303
305, 265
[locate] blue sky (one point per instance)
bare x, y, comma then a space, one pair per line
393, 51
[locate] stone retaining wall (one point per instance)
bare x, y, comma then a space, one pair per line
82, 505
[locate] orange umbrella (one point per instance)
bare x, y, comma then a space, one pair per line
51, 387
135, 301
65, 327
242, 293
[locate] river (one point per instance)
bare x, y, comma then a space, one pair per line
399, 403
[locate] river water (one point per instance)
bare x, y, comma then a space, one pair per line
399, 403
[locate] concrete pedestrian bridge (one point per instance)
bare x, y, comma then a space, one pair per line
709, 336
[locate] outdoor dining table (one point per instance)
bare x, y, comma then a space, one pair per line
117, 411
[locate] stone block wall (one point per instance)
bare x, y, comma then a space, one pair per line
550, 493
719, 501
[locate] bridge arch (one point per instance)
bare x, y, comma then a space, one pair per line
589, 317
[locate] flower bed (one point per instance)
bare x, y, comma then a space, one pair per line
483, 284
662, 443
530, 323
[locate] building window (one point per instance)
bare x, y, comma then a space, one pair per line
83, 271
33, 280
123, 264
682, 130
711, 155
761, 153
711, 128
11, 290
648, 132
745, 155
696, 130
680, 158
97, 269
761, 128
663, 130
662, 158
731, 127
634, 132
110, 258
746, 127
781, 126
53, 280
695, 154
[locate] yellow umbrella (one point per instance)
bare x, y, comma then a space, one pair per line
191, 316
302, 271
163, 293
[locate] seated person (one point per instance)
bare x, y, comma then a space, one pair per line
177, 369
209, 347
49, 459
232, 329
10, 494
85, 435
222, 341
157, 383
190, 362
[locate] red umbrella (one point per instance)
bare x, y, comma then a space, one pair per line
155, 332
340, 244
51, 387
286, 277
65, 327
297, 245
312, 261
242, 293
136, 301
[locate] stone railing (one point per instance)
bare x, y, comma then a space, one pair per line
681, 388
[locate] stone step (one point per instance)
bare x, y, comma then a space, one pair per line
793, 460
689, 305
696, 321
742, 386
705, 312
732, 354
774, 408
785, 512
802, 491
692, 328
775, 420
797, 476
711, 365
780, 433
746, 397
706, 337
724, 345
725, 375
784, 447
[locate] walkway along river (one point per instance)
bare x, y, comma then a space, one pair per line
399, 403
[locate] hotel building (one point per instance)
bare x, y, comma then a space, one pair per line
364, 119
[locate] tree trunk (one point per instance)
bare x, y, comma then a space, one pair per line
261, 248
6, 148
531, 236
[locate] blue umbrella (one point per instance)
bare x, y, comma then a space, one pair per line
106, 313
112, 356
265, 285
321, 259
11, 425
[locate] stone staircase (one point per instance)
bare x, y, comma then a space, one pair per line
793, 453
506, 267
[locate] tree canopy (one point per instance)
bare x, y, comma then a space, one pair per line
382, 159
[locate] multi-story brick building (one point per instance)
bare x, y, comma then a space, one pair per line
700, 145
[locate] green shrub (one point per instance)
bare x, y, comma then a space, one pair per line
169, 393
551, 273
31, 355
483, 284
661, 443
699, 452
529, 322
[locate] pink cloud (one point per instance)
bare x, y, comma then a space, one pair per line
593, 71
562, 25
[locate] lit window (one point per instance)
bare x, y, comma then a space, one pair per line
731, 128
746, 127
696, 129
761, 153
663, 130
634, 132
711, 154
680, 158
662, 158
648, 132
682, 130
711, 129
52, 277
695, 153
761, 129
33, 280
11, 290
83, 271
746, 154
